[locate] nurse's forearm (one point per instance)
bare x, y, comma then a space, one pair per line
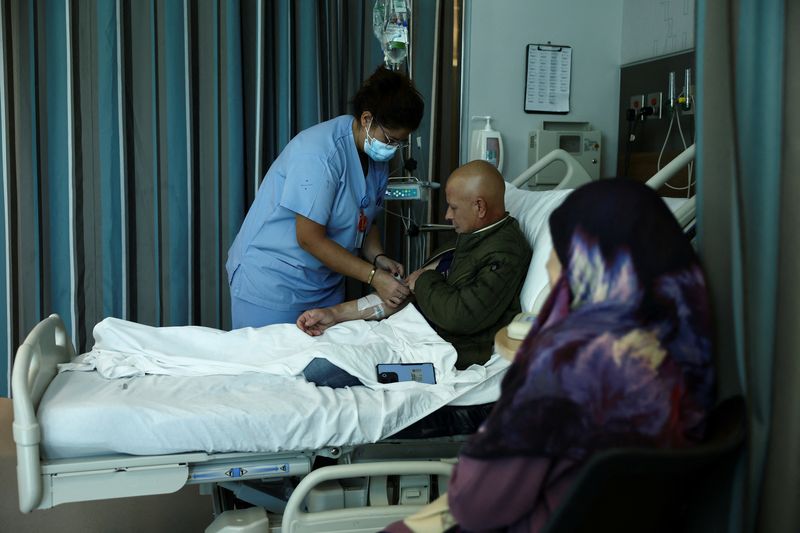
372, 244
311, 238
340, 260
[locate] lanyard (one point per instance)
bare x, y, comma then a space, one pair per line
362, 229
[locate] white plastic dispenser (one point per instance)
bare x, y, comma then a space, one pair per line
487, 144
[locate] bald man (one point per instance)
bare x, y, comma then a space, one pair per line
467, 292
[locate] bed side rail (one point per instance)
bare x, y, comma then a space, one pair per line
35, 365
576, 175
685, 213
670, 169
354, 519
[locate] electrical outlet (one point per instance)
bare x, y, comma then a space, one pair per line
637, 102
654, 100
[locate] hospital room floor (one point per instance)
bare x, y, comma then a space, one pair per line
183, 511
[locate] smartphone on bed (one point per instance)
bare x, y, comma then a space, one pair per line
396, 372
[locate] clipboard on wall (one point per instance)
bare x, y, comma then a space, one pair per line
548, 70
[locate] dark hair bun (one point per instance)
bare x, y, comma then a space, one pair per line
392, 99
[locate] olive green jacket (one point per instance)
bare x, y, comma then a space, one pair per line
480, 293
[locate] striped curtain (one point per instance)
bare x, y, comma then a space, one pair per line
133, 136
748, 165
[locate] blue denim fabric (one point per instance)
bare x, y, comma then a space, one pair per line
323, 373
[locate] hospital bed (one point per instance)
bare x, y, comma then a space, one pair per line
70, 475
107, 456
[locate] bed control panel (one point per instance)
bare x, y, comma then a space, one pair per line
244, 468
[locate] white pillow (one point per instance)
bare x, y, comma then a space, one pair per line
532, 210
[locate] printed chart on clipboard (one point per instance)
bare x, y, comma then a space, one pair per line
547, 78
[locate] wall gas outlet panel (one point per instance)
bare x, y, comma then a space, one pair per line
637, 102
654, 100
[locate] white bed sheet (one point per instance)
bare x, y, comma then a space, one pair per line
262, 404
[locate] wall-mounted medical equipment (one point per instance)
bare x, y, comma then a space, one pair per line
578, 139
390, 19
487, 144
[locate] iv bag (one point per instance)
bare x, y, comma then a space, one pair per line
390, 23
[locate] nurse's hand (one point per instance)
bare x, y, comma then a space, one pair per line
316, 321
391, 291
390, 265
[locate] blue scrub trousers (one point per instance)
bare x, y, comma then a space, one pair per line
248, 315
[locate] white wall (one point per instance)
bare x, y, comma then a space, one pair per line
653, 28
496, 32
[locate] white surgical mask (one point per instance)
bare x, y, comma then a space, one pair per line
377, 150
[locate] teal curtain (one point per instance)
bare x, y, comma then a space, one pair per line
134, 136
748, 170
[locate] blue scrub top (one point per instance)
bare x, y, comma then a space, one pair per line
319, 176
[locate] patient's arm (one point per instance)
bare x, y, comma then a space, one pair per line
316, 321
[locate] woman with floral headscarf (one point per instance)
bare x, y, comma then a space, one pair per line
620, 355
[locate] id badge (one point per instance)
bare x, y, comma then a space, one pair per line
362, 229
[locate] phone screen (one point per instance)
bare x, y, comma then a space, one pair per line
396, 372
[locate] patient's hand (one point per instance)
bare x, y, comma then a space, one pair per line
411, 280
316, 321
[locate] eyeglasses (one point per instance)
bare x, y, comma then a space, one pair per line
392, 142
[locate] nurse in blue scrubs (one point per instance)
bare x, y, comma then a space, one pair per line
312, 221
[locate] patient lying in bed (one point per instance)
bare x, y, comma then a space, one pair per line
469, 292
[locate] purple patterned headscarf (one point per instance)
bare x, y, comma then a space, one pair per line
620, 353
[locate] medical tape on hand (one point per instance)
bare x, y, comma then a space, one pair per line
371, 300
